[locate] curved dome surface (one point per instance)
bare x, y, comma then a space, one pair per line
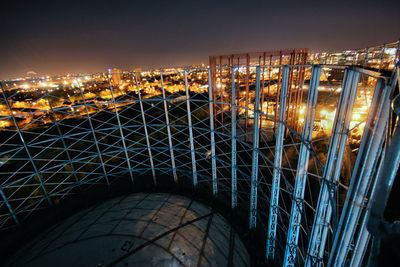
141, 229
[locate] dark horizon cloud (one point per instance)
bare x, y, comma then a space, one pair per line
59, 37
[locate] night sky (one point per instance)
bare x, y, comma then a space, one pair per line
58, 37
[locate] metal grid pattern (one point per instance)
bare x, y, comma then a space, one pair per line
229, 130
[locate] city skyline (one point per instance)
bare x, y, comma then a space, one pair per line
75, 37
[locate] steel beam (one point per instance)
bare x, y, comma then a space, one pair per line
254, 165
62, 138
36, 171
171, 150
337, 143
10, 209
302, 171
364, 236
146, 133
120, 129
361, 179
234, 167
191, 139
276, 176
95, 138
212, 133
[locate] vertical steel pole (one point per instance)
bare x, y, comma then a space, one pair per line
256, 138
302, 171
363, 152
234, 167
332, 168
120, 129
46, 196
171, 151
221, 94
9, 206
212, 132
361, 179
95, 138
191, 139
276, 176
364, 236
145, 131
62, 139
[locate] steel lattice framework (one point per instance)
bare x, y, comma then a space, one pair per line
305, 186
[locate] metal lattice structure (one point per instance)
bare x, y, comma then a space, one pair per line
304, 186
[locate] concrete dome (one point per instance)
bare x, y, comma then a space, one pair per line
140, 229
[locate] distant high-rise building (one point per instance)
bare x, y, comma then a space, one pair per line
115, 76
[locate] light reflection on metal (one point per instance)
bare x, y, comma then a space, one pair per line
212, 136
275, 184
371, 148
332, 168
191, 140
